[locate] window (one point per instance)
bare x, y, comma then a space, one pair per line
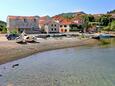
61, 30
20, 30
34, 20
16, 19
65, 25
32, 27
60, 25
55, 25
25, 20
52, 29
65, 30
55, 29
51, 24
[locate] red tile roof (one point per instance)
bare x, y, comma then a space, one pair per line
65, 22
21, 17
43, 20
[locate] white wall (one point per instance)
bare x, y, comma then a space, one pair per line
53, 27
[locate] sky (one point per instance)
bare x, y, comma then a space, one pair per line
52, 7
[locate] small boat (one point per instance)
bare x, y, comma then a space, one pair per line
102, 36
105, 36
30, 39
96, 37
20, 40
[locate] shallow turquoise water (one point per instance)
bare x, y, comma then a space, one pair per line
81, 66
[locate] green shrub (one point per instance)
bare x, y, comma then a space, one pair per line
107, 28
14, 32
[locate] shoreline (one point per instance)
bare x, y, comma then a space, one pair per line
10, 51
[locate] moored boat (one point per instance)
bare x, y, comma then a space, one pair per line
30, 39
102, 36
20, 40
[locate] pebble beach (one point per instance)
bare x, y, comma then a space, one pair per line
10, 50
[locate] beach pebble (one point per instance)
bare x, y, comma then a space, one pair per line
10, 84
56, 80
15, 65
78, 81
4, 68
62, 71
0, 75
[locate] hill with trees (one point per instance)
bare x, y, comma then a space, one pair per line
113, 11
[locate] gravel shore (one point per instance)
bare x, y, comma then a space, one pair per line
9, 50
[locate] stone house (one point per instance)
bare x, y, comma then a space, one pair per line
27, 24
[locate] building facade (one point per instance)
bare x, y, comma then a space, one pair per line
27, 24
78, 21
64, 26
52, 26
43, 20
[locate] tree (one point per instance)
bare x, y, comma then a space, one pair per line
112, 26
3, 28
107, 28
91, 18
67, 15
85, 24
105, 20
14, 32
75, 27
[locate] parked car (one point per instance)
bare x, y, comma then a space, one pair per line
12, 36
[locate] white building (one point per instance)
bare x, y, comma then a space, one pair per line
52, 26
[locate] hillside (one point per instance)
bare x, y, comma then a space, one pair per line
69, 16
113, 11
80, 15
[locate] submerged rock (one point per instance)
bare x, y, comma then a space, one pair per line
0, 75
15, 65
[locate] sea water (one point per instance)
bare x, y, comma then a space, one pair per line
78, 66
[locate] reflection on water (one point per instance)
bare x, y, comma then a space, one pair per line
89, 66
107, 41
